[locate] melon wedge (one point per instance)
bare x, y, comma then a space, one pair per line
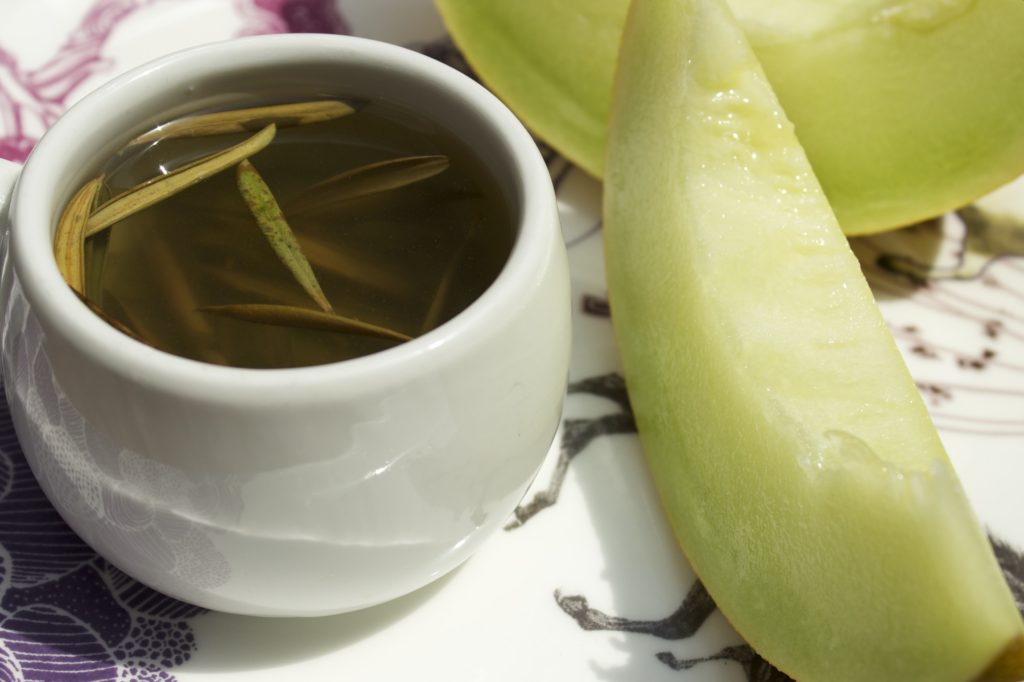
906, 108
796, 461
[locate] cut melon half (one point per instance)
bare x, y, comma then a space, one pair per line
795, 458
906, 108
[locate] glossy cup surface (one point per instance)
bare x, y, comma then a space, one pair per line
301, 491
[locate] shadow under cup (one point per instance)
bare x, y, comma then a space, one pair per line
303, 491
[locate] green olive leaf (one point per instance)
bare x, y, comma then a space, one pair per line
293, 316
69, 240
249, 119
275, 228
159, 188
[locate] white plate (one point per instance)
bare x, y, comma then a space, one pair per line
588, 583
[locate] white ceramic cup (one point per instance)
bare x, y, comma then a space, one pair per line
293, 491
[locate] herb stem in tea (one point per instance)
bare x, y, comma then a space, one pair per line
305, 318
247, 284
159, 188
116, 324
93, 265
365, 269
69, 240
181, 302
248, 119
444, 286
372, 178
384, 237
141, 325
268, 215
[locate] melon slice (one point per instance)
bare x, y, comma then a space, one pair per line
906, 108
795, 458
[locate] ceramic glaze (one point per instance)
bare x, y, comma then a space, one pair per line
285, 492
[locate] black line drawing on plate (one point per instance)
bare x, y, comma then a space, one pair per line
1012, 562
986, 238
698, 606
597, 306
577, 434
754, 667
445, 51
960, 273
682, 623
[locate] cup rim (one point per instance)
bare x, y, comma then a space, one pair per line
60, 311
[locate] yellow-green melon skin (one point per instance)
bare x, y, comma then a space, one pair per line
796, 461
903, 118
906, 109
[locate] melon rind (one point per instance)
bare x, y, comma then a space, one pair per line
906, 109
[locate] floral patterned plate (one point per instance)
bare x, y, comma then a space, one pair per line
585, 582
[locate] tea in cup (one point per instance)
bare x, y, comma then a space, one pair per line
324, 482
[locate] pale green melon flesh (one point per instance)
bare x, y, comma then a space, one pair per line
795, 458
906, 108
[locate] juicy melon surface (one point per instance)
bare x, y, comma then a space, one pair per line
794, 456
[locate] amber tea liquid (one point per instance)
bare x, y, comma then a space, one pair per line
407, 258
